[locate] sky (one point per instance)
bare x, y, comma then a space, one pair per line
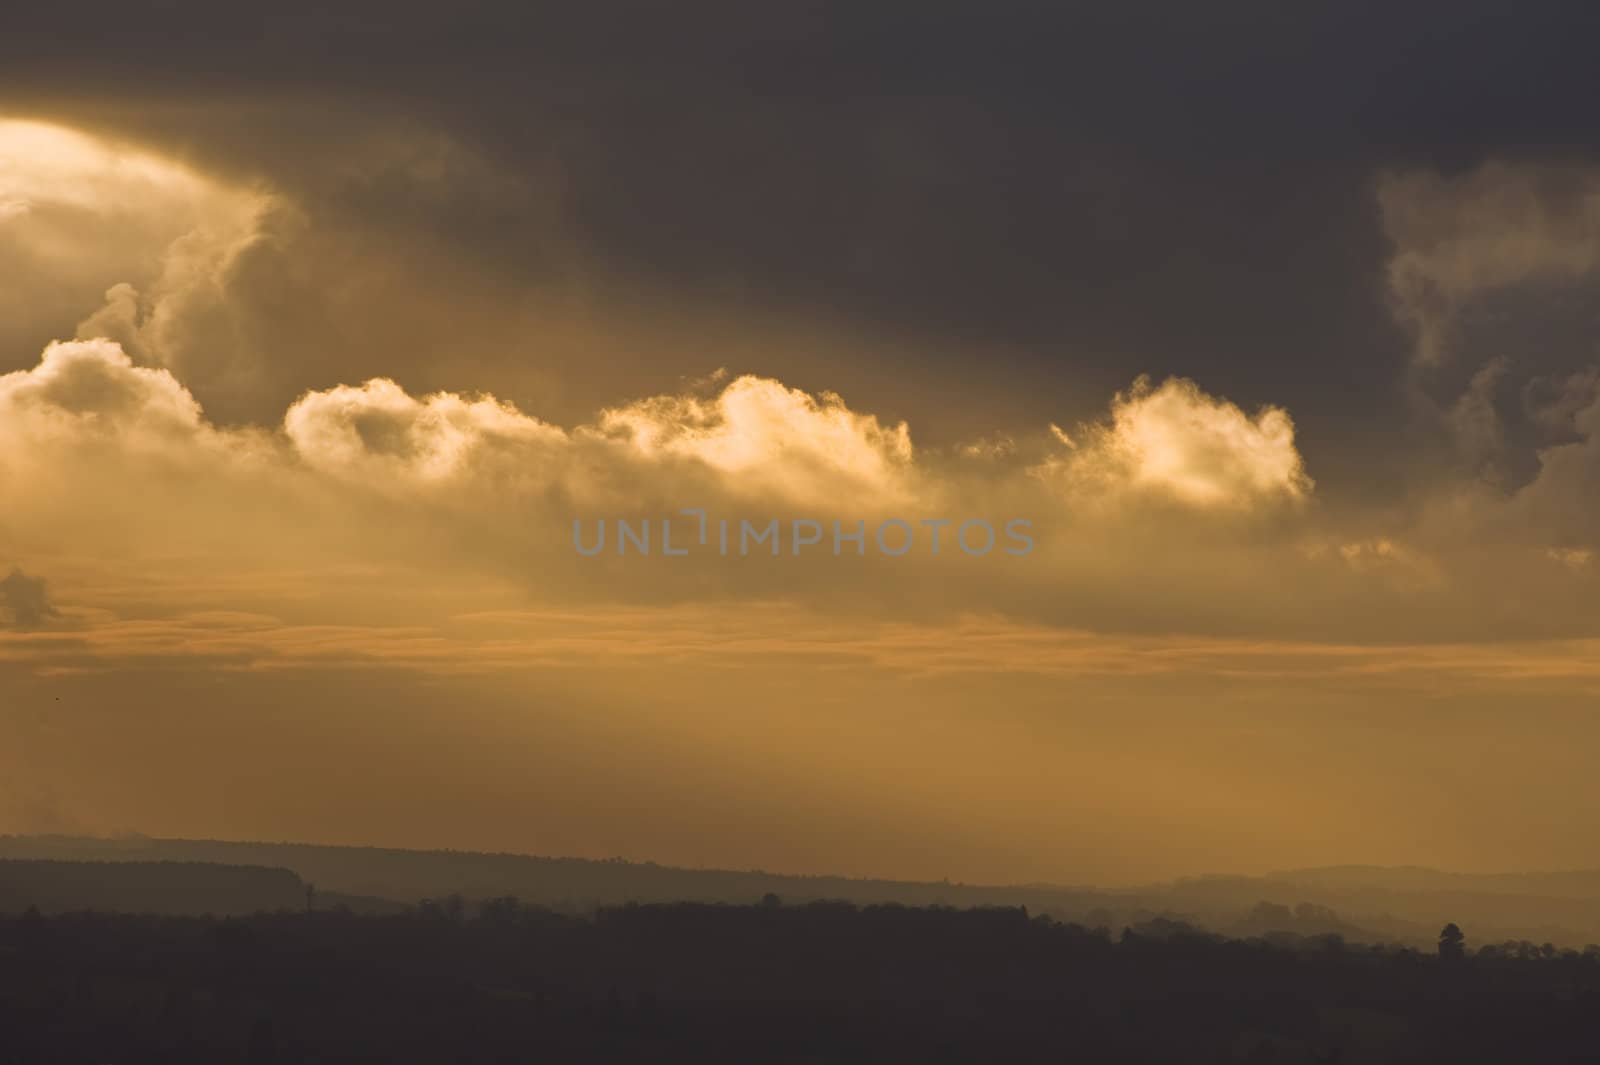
1273, 327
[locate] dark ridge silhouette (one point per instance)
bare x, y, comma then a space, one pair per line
1565, 884
571, 883
168, 888
1360, 903
503, 982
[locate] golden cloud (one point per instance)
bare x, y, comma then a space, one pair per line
378, 434
769, 439
93, 389
84, 219
1174, 441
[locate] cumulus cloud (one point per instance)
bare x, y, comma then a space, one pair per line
107, 458
1495, 271
768, 438
104, 458
1462, 237
1561, 501
756, 439
1476, 422
92, 389
1555, 403
379, 434
1174, 441
83, 219
185, 317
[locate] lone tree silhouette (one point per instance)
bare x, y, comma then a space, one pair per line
1452, 944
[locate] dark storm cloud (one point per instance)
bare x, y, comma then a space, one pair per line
1069, 193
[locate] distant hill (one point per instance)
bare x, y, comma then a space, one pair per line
1362, 904
564, 883
158, 887
1571, 884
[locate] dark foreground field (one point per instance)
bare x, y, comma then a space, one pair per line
766, 983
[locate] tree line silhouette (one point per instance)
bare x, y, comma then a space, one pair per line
501, 981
